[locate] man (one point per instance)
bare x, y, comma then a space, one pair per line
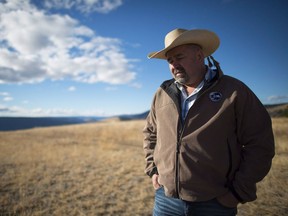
208, 139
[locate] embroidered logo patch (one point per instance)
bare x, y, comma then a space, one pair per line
215, 96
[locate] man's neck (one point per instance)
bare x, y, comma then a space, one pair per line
189, 88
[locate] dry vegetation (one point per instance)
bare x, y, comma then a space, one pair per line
97, 169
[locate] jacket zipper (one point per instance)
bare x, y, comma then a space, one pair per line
177, 181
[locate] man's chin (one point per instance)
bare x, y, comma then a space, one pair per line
181, 80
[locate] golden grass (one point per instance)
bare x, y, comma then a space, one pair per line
97, 169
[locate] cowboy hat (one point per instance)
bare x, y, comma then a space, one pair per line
207, 40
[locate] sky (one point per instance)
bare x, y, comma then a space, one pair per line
89, 57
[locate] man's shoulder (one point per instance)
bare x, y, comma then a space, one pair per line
233, 81
167, 83
233, 84
230, 78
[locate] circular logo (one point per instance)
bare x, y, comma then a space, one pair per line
215, 96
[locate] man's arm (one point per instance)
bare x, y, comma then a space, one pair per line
254, 132
150, 139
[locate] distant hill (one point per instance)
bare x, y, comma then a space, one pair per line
277, 110
133, 117
20, 123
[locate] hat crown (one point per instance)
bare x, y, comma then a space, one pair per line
207, 40
171, 36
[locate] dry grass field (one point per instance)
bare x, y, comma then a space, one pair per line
97, 169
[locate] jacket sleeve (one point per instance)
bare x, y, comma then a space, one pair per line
150, 140
255, 135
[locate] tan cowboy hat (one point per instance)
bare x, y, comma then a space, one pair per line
207, 40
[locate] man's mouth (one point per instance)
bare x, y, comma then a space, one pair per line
179, 73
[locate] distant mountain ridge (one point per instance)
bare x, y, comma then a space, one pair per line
21, 123
277, 110
134, 117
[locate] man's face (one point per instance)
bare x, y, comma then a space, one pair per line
186, 63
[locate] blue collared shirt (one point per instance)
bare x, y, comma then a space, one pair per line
188, 100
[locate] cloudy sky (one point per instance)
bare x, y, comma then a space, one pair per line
88, 57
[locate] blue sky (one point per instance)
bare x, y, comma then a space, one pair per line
89, 57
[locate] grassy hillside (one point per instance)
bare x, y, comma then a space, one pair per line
278, 110
97, 169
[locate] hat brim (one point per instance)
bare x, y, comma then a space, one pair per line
207, 40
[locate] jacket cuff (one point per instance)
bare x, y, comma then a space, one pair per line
236, 195
154, 171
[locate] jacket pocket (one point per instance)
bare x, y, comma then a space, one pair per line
234, 156
230, 161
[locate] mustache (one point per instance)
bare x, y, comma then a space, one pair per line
179, 70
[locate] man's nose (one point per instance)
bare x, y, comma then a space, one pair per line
175, 64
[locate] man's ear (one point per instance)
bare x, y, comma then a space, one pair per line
200, 55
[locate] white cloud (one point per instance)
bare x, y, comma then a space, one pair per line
36, 45
4, 94
41, 112
278, 98
36, 112
72, 88
4, 110
51, 112
86, 6
8, 99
